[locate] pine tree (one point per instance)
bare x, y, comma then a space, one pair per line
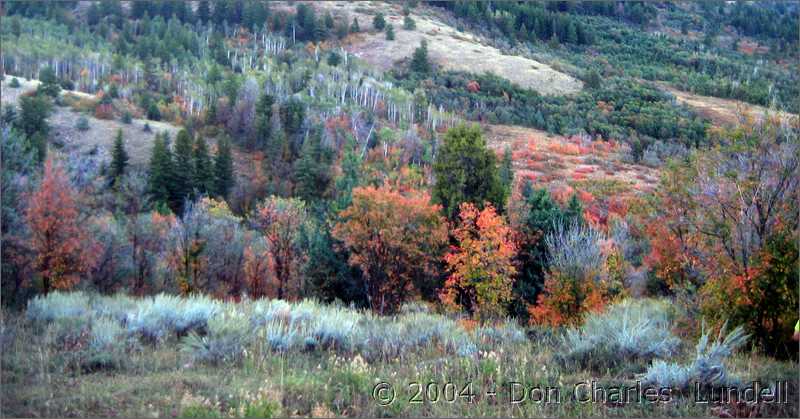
160, 172
119, 158
466, 171
311, 171
354, 28
390, 32
223, 168
203, 168
263, 118
419, 61
203, 11
409, 23
378, 22
507, 171
183, 180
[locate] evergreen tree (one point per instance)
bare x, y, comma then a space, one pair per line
507, 171
183, 179
223, 168
263, 119
203, 11
354, 28
409, 23
119, 158
390, 32
593, 79
419, 61
203, 168
49, 82
310, 170
160, 171
32, 121
378, 22
466, 171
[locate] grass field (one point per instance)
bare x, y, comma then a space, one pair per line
448, 48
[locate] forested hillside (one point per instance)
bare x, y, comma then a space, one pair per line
248, 208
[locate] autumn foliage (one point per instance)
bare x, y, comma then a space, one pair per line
63, 249
481, 265
394, 239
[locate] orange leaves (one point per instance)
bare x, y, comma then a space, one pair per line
481, 265
63, 248
395, 240
566, 300
473, 86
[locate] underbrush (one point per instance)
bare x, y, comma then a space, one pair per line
88, 355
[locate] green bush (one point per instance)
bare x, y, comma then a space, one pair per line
82, 124
14, 83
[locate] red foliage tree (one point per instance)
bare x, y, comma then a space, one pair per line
394, 239
62, 246
481, 265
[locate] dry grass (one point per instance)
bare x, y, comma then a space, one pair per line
723, 112
448, 48
101, 133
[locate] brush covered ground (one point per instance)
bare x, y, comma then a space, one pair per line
86, 355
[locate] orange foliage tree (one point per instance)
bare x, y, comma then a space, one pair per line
481, 265
395, 239
281, 220
62, 247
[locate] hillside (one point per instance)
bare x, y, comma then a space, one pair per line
241, 208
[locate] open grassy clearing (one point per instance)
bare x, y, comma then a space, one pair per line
87, 355
99, 138
725, 111
447, 47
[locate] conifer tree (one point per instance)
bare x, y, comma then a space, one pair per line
507, 171
378, 22
119, 158
310, 171
203, 168
390, 32
160, 171
223, 168
263, 119
354, 28
419, 61
183, 180
203, 11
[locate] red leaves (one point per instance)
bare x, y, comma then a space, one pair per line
63, 248
481, 265
394, 239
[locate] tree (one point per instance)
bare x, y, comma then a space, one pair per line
311, 171
63, 250
203, 168
334, 59
481, 265
419, 60
390, 32
535, 220
160, 172
506, 173
354, 28
593, 80
223, 168
409, 23
49, 83
466, 171
263, 127
395, 240
32, 121
281, 221
183, 172
576, 282
203, 11
119, 158
378, 22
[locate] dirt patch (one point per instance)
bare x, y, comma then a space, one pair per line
447, 47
